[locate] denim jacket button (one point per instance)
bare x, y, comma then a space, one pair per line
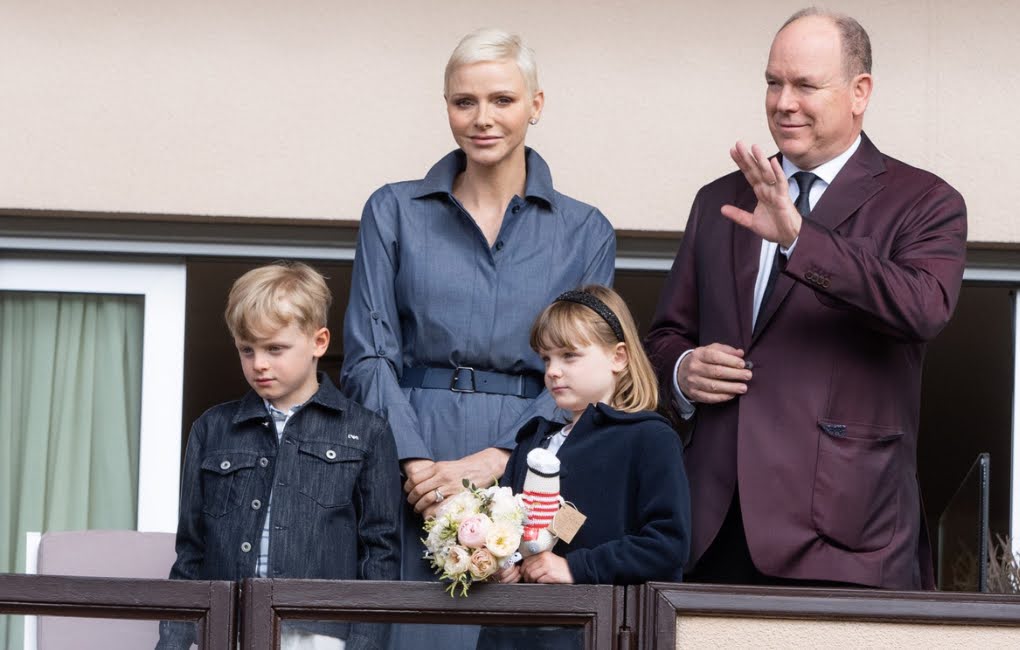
256, 504
330, 454
263, 462
245, 547
225, 465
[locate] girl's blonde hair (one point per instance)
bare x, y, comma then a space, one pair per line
565, 324
272, 297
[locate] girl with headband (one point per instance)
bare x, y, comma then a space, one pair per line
621, 464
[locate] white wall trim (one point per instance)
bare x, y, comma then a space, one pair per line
989, 274
340, 251
200, 249
163, 287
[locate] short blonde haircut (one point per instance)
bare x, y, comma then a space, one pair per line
272, 297
569, 325
490, 44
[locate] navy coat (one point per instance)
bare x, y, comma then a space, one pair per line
625, 473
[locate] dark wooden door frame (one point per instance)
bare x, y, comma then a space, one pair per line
212, 605
600, 609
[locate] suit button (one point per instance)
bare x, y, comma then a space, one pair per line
263, 462
825, 283
256, 504
245, 547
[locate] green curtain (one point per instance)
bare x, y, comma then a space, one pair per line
70, 409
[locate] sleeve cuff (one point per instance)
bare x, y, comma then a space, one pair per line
577, 564
684, 405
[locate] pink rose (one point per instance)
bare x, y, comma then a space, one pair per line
472, 531
483, 564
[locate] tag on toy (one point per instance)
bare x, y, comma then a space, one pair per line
567, 522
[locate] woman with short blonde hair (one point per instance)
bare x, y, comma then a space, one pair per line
450, 271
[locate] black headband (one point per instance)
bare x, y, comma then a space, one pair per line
597, 306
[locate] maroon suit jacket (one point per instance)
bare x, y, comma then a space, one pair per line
823, 446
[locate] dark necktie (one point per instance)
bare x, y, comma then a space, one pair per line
804, 181
803, 204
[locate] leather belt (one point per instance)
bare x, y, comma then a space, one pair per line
468, 380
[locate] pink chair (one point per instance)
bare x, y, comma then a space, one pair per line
103, 553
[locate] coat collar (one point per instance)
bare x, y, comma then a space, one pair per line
439, 179
251, 406
594, 416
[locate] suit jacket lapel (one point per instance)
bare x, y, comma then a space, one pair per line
854, 185
746, 253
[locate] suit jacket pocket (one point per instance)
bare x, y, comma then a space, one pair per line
856, 492
328, 472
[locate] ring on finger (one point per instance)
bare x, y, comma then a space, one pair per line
439, 496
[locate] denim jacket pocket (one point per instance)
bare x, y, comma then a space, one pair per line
225, 475
328, 472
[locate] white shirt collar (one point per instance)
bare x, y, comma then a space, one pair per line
826, 171
277, 413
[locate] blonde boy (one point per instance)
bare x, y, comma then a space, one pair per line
293, 480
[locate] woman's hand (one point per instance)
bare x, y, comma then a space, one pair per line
546, 567
424, 477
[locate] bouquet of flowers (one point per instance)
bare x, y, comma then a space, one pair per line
473, 535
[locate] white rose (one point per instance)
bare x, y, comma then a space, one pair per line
505, 506
434, 542
503, 538
463, 504
458, 560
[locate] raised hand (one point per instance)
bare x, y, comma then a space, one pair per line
775, 218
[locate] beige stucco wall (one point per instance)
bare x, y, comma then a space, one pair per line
696, 632
300, 109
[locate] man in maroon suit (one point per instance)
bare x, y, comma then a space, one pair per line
792, 331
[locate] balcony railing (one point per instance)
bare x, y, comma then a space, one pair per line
652, 616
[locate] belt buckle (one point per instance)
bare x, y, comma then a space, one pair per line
456, 376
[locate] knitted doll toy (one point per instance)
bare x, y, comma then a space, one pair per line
541, 501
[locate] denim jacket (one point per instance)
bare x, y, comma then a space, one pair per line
335, 485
